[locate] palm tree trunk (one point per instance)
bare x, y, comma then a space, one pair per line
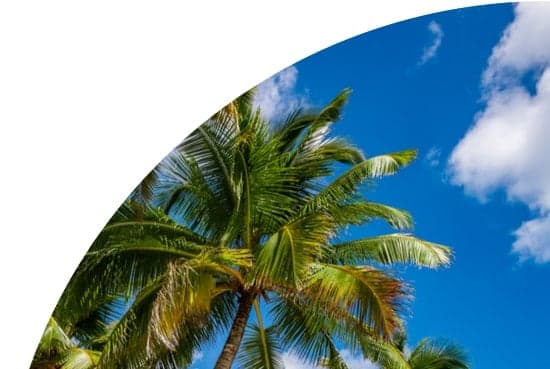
236, 334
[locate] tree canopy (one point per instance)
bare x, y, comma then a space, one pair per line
240, 232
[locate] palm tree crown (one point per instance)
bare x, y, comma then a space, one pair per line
243, 237
428, 354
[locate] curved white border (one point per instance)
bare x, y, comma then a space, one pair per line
93, 95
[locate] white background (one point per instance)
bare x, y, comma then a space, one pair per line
94, 94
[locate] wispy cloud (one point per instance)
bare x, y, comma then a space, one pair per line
292, 361
356, 361
433, 156
277, 97
437, 37
197, 355
507, 147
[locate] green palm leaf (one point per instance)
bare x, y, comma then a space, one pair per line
188, 290
437, 355
78, 358
301, 328
308, 330
184, 296
367, 293
260, 349
345, 185
360, 212
286, 256
54, 339
334, 360
390, 249
383, 352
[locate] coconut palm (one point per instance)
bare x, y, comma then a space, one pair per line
428, 354
245, 238
434, 354
393, 354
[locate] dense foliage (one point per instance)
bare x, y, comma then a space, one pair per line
238, 233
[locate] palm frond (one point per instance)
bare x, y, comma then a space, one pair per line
333, 149
260, 349
272, 188
188, 291
290, 131
122, 267
309, 330
142, 195
383, 353
185, 295
129, 254
438, 355
314, 144
188, 193
360, 212
390, 249
334, 360
79, 358
154, 222
332, 112
304, 126
346, 185
236, 109
54, 340
125, 346
287, 255
90, 327
318, 158
367, 293
301, 329
130, 345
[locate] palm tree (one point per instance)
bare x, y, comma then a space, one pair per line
247, 221
433, 354
428, 354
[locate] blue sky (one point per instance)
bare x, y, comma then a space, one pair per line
470, 89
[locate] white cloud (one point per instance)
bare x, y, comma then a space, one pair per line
433, 156
291, 361
523, 46
407, 351
357, 362
197, 355
431, 50
507, 147
277, 97
532, 239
